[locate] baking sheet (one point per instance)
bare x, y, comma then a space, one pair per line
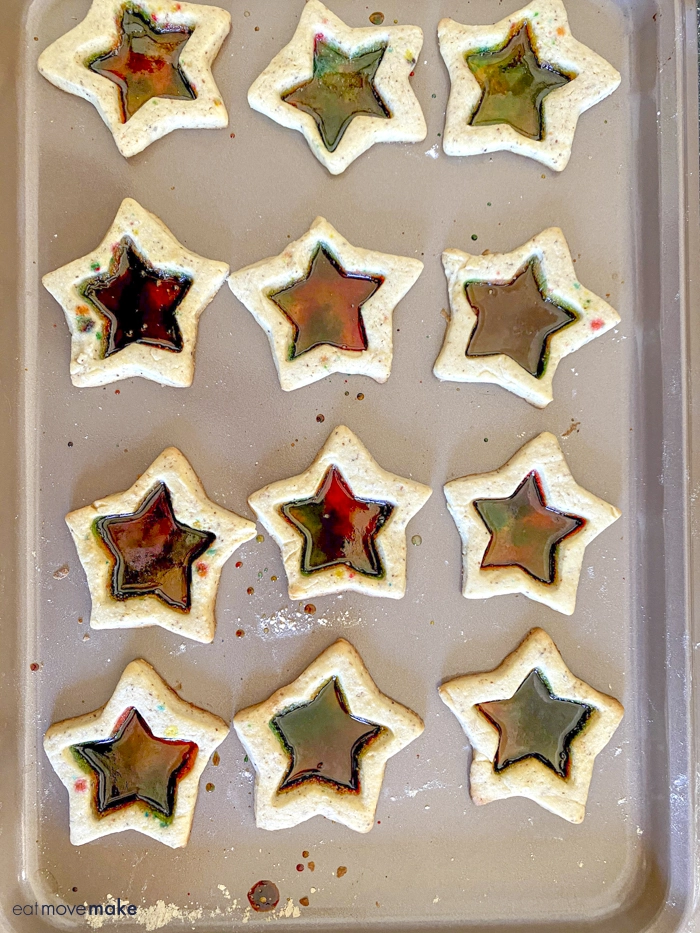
435, 860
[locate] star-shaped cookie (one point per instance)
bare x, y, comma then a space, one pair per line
133, 305
326, 306
146, 66
320, 745
520, 84
525, 526
153, 555
135, 763
343, 88
515, 316
341, 524
534, 727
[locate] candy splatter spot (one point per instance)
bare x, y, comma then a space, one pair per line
320, 418
376, 19
416, 540
239, 563
300, 867
216, 759
305, 854
360, 396
597, 323
304, 901
260, 538
34, 666
342, 870
209, 787
240, 633
264, 896
250, 591
202, 569
309, 609
80, 785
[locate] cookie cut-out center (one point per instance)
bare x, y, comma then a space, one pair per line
514, 85
342, 88
525, 532
325, 308
138, 302
146, 63
534, 723
153, 551
324, 740
136, 765
339, 528
516, 320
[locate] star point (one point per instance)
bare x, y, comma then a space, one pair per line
136, 762
535, 728
320, 745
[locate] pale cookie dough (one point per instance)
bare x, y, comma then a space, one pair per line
549, 253
367, 481
65, 63
167, 717
546, 21
279, 809
530, 777
158, 248
293, 66
542, 456
254, 285
191, 508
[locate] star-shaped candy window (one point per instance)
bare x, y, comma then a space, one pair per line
514, 85
146, 63
524, 531
342, 88
324, 740
153, 552
339, 528
325, 307
515, 319
134, 765
138, 302
534, 723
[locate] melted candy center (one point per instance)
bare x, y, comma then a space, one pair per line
325, 307
138, 302
516, 320
342, 88
514, 85
525, 532
339, 528
146, 63
534, 723
136, 765
153, 551
324, 740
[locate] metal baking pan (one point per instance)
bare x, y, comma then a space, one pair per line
628, 204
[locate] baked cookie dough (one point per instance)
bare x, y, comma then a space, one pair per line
345, 89
520, 84
133, 305
320, 745
145, 65
135, 762
525, 526
535, 728
341, 524
153, 555
515, 316
326, 306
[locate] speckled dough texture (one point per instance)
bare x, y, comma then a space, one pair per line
293, 66
530, 777
157, 245
275, 810
254, 284
544, 456
168, 717
191, 507
65, 64
554, 45
552, 257
367, 480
